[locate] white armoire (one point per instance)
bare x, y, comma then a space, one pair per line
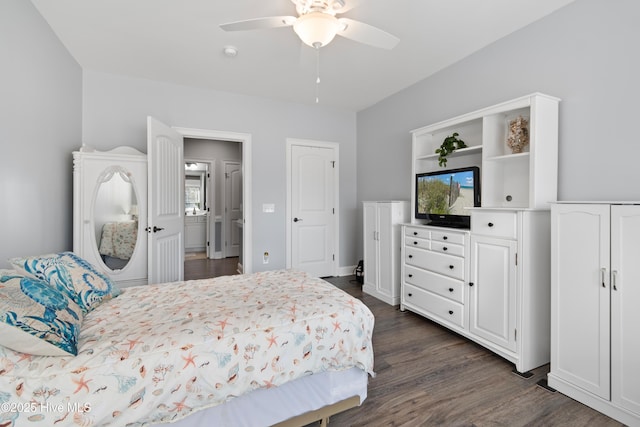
110, 212
382, 242
595, 320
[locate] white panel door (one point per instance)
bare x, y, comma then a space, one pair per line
165, 153
492, 298
386, 270
625, 315
580, 296
312, 209
232, 208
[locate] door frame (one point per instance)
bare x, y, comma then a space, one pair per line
290, 142
245, 140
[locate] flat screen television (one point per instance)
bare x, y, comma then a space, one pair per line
443, 196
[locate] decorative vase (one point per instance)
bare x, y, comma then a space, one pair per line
518, 137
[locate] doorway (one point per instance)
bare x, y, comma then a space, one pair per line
220, 147
212, 228
198, 185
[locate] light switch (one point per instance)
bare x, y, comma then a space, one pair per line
268, 208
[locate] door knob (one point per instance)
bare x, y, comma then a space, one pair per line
156, 229
297, 219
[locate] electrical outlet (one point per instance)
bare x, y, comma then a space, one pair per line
265, 258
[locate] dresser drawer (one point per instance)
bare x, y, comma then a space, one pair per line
494, 223
447, 287
422, 233
416, 242
433, 304
448, 265
447, 248
448, 237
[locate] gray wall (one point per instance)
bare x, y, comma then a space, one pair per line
115, 110
40, 125
586, 53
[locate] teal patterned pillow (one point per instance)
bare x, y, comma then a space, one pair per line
69, 273
36, 318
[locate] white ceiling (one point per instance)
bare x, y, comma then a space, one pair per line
179, 41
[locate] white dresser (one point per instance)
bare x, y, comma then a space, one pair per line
489, 284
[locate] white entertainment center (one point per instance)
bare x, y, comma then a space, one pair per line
491, 283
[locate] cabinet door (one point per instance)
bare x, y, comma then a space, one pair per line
580, 297
492, 297
385, 249
370, 231
625, 315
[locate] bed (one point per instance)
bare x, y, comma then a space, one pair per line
250, 350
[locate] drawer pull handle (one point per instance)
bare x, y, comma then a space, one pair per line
490, 224
470, 283
450, 289
415, 243
415, 233
410, 295
451, 267
450, 311
444, 237
411, 275
444, 248
410, 256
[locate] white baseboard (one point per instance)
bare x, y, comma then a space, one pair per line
346, 271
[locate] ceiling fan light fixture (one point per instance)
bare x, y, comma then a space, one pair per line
316, 29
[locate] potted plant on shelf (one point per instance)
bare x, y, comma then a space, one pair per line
449, 145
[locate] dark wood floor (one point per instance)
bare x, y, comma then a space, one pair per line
203, 268
429, 376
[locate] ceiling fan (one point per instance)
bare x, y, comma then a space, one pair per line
317, 25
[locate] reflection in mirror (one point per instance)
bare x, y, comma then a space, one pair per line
115, 217
195, 188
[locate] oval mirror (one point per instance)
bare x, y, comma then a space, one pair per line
115, 217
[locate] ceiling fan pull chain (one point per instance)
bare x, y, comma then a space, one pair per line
317, 47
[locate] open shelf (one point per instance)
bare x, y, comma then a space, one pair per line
507, 157
457, 153
526, 180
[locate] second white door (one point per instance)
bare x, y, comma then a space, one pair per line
313, 215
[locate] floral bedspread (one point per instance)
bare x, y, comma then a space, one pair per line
157, 353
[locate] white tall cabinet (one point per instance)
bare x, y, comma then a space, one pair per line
504, 304
382, 244
595, 319
110, 193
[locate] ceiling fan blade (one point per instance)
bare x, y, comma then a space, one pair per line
259, 23
367, 34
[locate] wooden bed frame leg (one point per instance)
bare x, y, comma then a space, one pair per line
321, 414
